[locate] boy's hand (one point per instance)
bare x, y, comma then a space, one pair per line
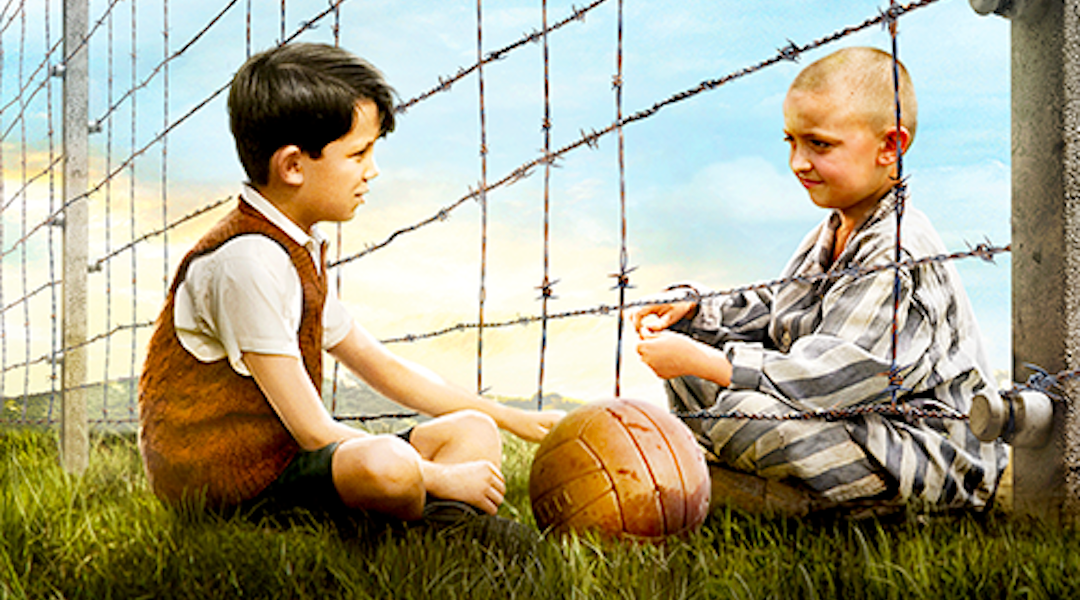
651, 320
532, 426
478, 483
671, 355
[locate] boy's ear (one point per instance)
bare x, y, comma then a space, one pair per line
286, 166
893, 138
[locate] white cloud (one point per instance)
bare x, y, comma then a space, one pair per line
750, 190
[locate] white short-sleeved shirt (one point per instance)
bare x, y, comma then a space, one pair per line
246, 296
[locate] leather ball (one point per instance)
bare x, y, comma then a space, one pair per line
624, 468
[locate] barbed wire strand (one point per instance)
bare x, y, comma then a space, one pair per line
445, 83
30, 181
622, 277
109, 68
546, 292
163, 65
51, 135
591, 139
23, 152
129, 164
482, 198
306, 25
57, 69
896, 381
338, 276
577, 15
166, 59
51, 51
3, 14
132, 227
985, 251
55, 217
198, 212
30, 295
3, 191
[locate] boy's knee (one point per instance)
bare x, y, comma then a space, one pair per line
459, 436
473, 423
381, 473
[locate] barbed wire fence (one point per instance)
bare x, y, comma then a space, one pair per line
38, 338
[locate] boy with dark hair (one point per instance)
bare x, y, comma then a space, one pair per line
816, 344
230, 403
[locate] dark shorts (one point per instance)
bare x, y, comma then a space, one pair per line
307, 484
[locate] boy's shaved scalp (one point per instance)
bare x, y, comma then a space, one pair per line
866, 75
303, 94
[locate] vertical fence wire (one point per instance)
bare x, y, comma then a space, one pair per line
23, 104
28, 207
282, 38
337, 244
165, 147
545, 287
51, 136
895, 377
132, 193
624, 258
482, 198
108, 198
3, 202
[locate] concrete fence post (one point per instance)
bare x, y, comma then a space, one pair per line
74, 428
1045, 240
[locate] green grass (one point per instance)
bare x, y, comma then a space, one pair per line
103, 535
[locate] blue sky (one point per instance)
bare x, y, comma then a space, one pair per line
709, 193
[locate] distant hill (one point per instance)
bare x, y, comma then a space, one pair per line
113, 406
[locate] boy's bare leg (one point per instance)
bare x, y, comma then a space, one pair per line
381, 473
462, 455
455, 457
459, 437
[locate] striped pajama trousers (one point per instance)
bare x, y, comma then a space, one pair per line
817, 455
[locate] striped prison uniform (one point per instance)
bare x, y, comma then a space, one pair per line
826, 344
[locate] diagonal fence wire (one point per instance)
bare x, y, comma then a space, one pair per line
25, 101
985, 251
446, 82
791, 52
129, 161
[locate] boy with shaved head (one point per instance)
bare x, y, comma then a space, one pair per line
821, 343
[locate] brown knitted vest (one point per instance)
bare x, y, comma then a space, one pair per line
202, 427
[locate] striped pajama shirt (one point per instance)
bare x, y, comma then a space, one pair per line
808, 345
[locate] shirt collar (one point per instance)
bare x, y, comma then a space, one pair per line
267, 209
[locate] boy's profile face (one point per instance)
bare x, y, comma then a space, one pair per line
337, 181
834, 152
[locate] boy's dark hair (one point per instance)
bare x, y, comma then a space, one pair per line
303, 94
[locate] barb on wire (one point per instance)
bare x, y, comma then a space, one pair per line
29, 181
980, 251
27, 297
365, 418
1043, 381
161, 65
833, 414
99, 263
56, 70
591, 139
445, 82
168, 129
58, 355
